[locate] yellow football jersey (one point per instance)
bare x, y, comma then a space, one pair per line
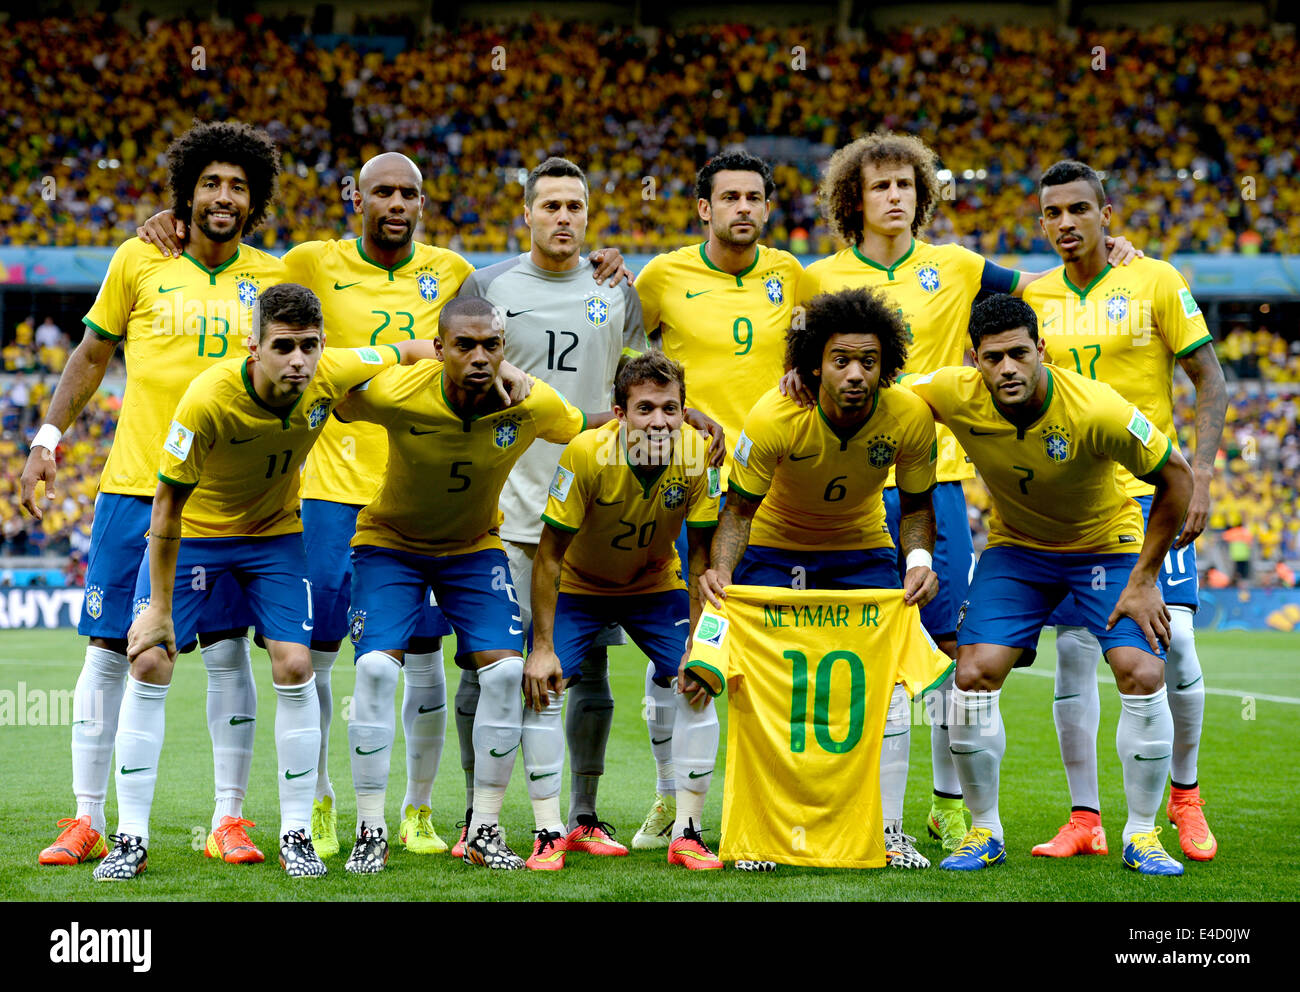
1054, 485
445, 474
810, 676
177, 318
1124, 328
728, 332
821, 488
365, 304
933, 287
244, 457
626, 521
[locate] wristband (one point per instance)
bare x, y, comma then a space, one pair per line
919, 556
47, 437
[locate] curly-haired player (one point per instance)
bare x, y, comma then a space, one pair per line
247, 148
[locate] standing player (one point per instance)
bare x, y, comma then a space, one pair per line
804, 507
1127, 327
721, 309
435, 523
1046, 442
227, 505
879, 193
176, 316
618, 498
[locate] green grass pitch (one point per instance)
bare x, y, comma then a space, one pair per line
1248, 775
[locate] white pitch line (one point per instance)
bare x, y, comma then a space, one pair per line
1050, 673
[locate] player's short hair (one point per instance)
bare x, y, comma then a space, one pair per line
651, 366
288, 303
841, 193
1068, 171
733, 161
248, 147
1001, 312
469, 307
850, 311
553, 166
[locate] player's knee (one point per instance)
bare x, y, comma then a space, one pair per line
1137, 673
978, 672
153, 667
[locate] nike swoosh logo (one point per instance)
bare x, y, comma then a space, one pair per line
800, 458
293, 775
515, 630
1073, 695
612, 502
347, 285
244, 440
1209, 843
463, 713
700, 774
974, 750
655, 743
982, 433
1189, 684
493, 751
1174, 582
307, 627
691, 296
516, 313
417, 433
534, 776
170, 289
1159, 757
373, 750
432, 709
235, 721
127, 771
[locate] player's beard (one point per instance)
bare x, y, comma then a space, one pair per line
219, 237
727, 238
561, 252
387, 239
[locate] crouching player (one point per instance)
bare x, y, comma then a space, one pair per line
607, 555
227, 505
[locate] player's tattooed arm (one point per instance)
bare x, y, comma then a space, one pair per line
542, 672
78, 383
1202, 367
705, 424
164, 232
729, 544
916, 530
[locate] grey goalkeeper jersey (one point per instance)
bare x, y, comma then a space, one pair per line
567, 331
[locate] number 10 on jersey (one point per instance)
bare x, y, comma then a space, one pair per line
822, 701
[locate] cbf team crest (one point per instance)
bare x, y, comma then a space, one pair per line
505, 433
357, 625
928, 277
246, 288
1056, 441
1116, 307
881, 450
318, 413
597, 311
674, 495
775, 289
95, 601
428, 286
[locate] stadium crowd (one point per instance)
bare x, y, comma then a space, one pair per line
1204, 138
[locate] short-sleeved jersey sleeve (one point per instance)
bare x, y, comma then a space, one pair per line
557, 420
710, 660
375, 401
757, 451
346, 368
1178, 315
649, 288
190, 437
706, 492
919, 452
936, 389
566, 500
111, 310
1123, 433
300, 263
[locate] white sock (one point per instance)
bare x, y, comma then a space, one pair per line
322, 663
140, 729
232, 713
660, 715
695, 751
543, 748
498, 727
1186, 686
370, 811
895, 749
297, 748
371, 731
466, 703
1144, 739
978, 743
1076, 709
943, 771
424, 723
96, 703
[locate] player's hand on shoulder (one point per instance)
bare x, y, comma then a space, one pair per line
1120, 251
792, 386
1143, 603
164, 232
920, 585
712, 585
513, 384
153, 626
40, 467
689, 686
717, 436
543, 675
608, 263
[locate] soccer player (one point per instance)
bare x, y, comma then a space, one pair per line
227, 505
878, 194
804, 507
1046, 442
435, 524
1127, 327
607, 554
177, 315
720, 308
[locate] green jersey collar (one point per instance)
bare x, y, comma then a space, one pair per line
281, 414
888, 270
213, 273
704, 255
406, 261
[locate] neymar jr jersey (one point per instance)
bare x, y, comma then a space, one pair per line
822, 487
626, 520
365, 304
1053, 484
244, 457
567, 331
1125, 328
177, 318
810, 675
443, 483
933, 287
728, 332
